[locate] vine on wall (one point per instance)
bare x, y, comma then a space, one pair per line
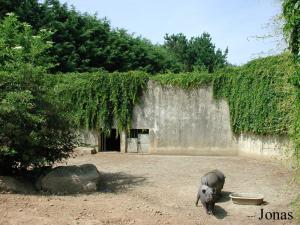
260, 96
98, 100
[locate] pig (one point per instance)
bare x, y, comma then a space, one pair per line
214, 179
210, 189
208, 198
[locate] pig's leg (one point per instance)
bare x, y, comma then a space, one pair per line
197, 200
205, 205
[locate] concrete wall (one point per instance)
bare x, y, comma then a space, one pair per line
191, 123
90, 138
184, 122
270, 147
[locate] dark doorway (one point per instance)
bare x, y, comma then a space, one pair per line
134, 133
111, 143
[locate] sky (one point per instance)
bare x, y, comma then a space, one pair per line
237, 24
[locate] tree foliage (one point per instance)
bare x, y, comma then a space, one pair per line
18, 45
33, 131
83, 43
27, 10
291, 15
198, 53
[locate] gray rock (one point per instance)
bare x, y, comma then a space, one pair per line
85, 150
15, 185
70, 179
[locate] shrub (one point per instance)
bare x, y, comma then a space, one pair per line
33, 128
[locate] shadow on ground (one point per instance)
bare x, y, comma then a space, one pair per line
119, 182
220, 213
225, 196
109, 183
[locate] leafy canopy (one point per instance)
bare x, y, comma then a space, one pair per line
19, 45
33, 129
291, 15
198, 53
85, 43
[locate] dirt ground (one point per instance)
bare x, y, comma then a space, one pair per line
152, 189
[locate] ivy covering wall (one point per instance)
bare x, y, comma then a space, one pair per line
100, 100
260, 96
186, 81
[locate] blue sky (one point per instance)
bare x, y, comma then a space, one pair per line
232, 23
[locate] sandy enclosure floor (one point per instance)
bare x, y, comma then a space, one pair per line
152, 189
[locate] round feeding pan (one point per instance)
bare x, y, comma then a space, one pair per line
247, 198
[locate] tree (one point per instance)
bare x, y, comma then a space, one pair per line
82, 42
177, 45
79, 39
29, 11
18, 45
126, 52
198, 53
291, 15
33, 130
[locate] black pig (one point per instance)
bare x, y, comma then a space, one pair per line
210, 189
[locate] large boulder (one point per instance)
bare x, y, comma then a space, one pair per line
70, 179
15, 185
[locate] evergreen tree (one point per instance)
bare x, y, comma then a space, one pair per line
198, 53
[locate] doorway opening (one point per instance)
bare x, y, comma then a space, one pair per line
138, 141
110, 143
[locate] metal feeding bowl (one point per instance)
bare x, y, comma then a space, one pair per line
247, 198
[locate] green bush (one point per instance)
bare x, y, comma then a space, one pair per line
33, 132
33, 128
20, 45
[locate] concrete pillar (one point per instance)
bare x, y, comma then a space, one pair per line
101, 142
123, 142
